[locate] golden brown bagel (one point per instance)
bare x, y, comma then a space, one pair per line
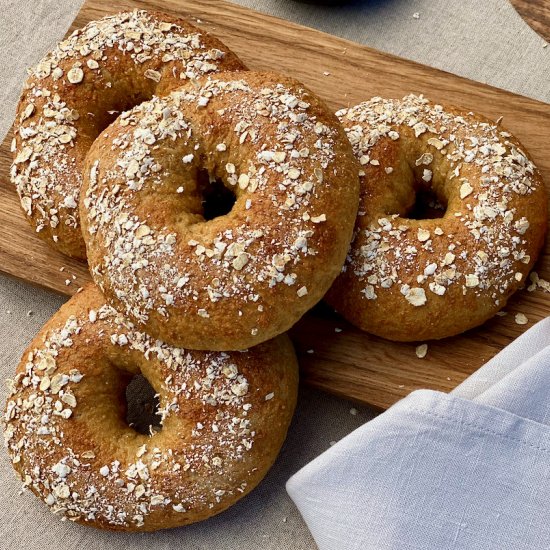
414, 279
225, 417
238, 279
78, 88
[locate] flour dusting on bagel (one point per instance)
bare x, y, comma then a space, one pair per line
413, 279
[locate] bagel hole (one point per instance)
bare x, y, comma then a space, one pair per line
142, 406
427, 206
116, 104
217, 199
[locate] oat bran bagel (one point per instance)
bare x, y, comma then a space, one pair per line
76, 91
238, 279
415, 279
224, 419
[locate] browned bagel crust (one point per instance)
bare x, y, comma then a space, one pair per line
76, 90
408, 279
238, 279
225, 418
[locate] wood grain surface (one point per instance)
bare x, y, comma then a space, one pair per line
334, 356
536, 13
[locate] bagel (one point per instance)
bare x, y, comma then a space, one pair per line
224, 419
75, 92
243, 277
411, 279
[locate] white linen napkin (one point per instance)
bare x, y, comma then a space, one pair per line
468, 470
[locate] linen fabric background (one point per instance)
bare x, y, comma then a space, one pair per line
484, 41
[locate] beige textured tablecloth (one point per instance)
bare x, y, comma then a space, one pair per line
486, 41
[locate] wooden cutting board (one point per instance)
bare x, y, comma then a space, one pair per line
334, 356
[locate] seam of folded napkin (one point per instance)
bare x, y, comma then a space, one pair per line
524, 348
488, 408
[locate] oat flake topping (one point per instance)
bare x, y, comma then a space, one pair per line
122, 492
490, 171
58, 99
152, 268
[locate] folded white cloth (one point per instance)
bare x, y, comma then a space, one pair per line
468, 470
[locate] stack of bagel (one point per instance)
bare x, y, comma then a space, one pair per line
215, 206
